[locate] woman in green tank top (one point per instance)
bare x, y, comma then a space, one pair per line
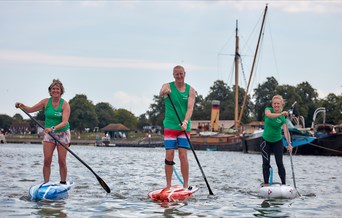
57, 113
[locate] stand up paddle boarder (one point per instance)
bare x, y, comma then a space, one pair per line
57, 113
272, 139
183, 97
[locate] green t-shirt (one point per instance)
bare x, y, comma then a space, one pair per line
272, 127
53, 116
180, 100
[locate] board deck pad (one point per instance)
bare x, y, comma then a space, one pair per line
175, 193
277, 191
50, 191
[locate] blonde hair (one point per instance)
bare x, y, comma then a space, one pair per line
280, 98
58, 83
178, 67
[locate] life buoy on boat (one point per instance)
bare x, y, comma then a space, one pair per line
277, 191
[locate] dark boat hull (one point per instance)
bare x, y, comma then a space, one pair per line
330, 145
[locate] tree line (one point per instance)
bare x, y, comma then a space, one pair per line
84, 114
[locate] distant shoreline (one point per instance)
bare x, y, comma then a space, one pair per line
90, 142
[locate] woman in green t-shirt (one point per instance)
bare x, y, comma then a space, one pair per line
274, 122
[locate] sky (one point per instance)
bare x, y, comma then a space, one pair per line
121, 52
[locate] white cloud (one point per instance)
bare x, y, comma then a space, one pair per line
79, 61
137, 104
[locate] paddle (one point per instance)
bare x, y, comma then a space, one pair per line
102, 183
293, 174
193, 151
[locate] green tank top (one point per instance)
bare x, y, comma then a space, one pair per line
272, 127
180, 100
53, 116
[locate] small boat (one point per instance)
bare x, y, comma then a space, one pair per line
277, 190
328, 138
106, 140
175, 193
50, 191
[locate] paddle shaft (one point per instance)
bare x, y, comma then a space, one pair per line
193, 151
103, 184
293, 174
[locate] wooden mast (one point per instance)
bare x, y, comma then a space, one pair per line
236, 60
250, 76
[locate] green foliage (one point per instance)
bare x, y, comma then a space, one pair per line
18, 118
333, 106
142, 121
126, 118
5, 121
82, 114
105, 114
156, 112
263, 95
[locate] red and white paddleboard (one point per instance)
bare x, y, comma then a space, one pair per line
175, 193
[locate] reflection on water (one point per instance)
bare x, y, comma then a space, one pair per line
133, 172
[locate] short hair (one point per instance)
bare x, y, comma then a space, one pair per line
278, 97
178, 67
58, 83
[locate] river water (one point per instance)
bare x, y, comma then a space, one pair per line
131, 173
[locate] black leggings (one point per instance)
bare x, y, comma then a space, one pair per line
266, 149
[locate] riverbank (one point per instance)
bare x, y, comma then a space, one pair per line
137, 142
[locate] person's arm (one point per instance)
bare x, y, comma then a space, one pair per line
190, 109
40, 105
165, 90
269, 114
287, 137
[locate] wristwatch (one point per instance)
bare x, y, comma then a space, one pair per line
53, 128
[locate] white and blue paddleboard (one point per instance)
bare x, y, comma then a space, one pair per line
277, 190
50, 191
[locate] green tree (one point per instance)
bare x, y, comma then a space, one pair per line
105, 114
41, 115
289, 94
5, 121
126, 117
18, 118
263, 95
156, 111
82, 114
307, 103
333, 107
247, 114
220, 91
201, 109
142, 121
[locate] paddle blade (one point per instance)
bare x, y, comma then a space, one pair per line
103, 184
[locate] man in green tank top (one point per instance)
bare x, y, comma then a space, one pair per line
183, 97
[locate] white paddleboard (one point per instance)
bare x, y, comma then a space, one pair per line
277, 191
